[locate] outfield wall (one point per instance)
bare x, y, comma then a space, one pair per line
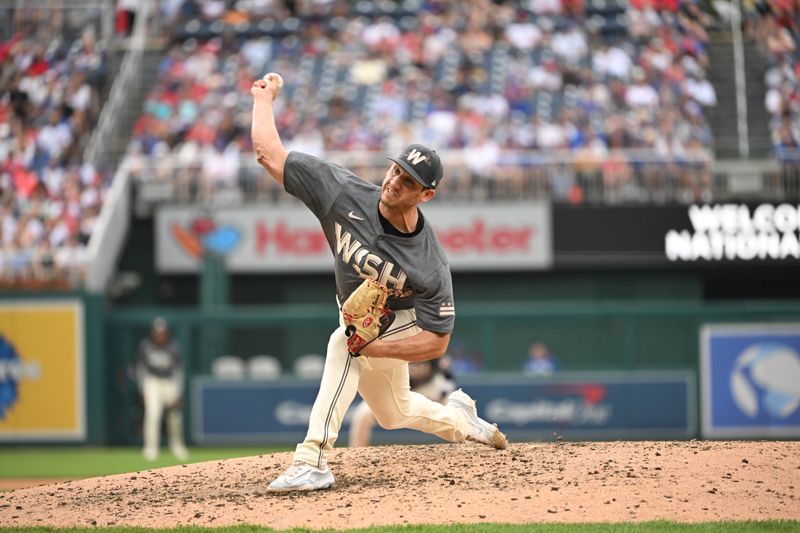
622, 289
589, 338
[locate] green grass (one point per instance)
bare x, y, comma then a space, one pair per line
82, 462
771, 526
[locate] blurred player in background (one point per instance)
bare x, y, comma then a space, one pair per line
159, 372
431, 378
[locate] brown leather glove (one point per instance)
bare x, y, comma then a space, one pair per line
366, 316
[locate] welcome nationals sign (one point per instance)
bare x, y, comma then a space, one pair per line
268, 238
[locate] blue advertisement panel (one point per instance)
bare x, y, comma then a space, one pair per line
750, 375
601, 405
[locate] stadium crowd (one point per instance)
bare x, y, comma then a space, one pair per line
569, 97
776, 26
49, 197
576, 100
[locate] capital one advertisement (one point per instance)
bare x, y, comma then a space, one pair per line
600, 405
288, 238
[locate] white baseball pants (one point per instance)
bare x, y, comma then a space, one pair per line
160, 394
384, 385
362, 421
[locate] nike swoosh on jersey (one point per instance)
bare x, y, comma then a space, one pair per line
352, 215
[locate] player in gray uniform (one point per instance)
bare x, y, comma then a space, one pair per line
159, 372
378, 233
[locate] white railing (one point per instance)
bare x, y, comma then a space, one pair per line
128, 78
622, 176
108, 237
560, 175
787, 177
741, 81
75, 16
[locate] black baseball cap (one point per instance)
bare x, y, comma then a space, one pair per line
422, 163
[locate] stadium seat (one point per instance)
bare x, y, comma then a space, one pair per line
263, 367
228, 367
309, 365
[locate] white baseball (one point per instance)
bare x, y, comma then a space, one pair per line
275, 76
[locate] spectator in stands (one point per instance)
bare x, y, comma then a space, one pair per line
482, 159
547, 76
44, 262
54, 137
612, 61
71, 257
540, 361
786, 136
523, 34
17, 262
570, 44
641, 93
775, 25
700, 89
463, 360
545, 7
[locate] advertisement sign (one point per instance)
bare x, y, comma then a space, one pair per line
42, 371
676, 234
736, 232
289, 239
630, 405
625, 405
750, 376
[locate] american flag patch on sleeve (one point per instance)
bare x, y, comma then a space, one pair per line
447, 309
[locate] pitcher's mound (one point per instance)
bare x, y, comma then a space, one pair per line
441, 484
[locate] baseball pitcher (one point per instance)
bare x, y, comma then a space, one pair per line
393, 286
160, 375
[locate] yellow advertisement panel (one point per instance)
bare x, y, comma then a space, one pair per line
42, 371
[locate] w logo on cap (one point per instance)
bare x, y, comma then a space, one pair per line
427, 175
415, 156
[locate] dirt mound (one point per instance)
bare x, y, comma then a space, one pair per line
441, 484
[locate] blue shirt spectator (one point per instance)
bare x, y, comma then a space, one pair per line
540, 361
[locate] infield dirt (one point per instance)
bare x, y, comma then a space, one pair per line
442, 484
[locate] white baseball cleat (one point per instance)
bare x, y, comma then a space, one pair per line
180, 452
300, 477
478, 429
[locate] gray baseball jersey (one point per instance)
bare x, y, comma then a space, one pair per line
160, 361
414, 268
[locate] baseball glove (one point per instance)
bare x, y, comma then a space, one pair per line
365, 315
